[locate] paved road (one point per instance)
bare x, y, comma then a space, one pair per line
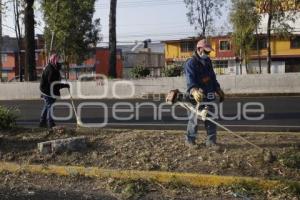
280, 113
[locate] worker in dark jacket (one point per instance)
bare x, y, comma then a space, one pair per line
50, 90
202, 86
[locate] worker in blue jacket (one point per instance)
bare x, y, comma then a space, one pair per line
202, 86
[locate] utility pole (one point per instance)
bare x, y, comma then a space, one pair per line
112, 39
269, 24
1, 40
53, 31
30, 65
258, 49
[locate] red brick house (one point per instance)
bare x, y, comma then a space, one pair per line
98, 62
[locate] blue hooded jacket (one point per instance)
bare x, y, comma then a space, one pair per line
199, 73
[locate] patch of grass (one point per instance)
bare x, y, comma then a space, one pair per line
291, 159
130, 189
286, 190
251, 189
175, 183
294, 188
246, 188
8, 117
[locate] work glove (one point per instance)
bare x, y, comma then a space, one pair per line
221, 95
172, 96
197, 94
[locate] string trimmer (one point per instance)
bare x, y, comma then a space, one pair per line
175, 96
78, 121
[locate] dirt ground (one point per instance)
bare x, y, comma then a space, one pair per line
150, 150
28, 186
161, 150
25, 186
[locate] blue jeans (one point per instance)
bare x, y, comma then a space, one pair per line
192, 127
46, 112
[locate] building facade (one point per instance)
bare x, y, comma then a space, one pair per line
285, 54
97, 62
223, 56
151, 57
13, 59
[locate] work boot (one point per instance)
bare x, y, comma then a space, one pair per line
51, 125
191, 142
43, 124
213, 146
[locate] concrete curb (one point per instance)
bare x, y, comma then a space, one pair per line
161, 96
197, 180
58, 145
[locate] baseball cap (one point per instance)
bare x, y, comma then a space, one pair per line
205, 45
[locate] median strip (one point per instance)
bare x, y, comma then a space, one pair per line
192, 179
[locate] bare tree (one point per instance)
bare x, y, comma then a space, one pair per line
1, 43
16, 8
278, 18
258, 49
202, 13
244, 18
270, 19
112, 39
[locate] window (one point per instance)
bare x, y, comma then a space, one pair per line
4, 76
221, 64
4, 57
263, 43
224, 45
187, 46
295, 42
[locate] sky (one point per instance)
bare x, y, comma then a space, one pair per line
138, 20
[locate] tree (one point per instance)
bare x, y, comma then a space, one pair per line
30, 69
17, 12
278, 18
258, 48
70, 28
173, 71
201, 13
112, 39
139, 72
244, 18
1, 39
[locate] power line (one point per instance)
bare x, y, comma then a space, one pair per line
9, 30
124, 3
142, 1
170, 24
127, 42
152, 34
131, 41
104, 8
8, 27
135, 5
156, 30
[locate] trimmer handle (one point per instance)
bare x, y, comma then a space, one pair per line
204, 113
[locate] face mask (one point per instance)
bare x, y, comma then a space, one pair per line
205, 54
